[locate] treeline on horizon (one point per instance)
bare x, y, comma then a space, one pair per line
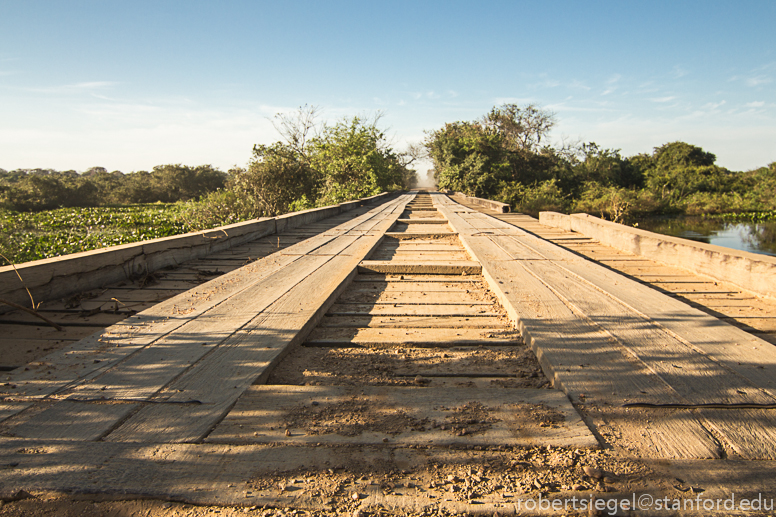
504, 156
313, 165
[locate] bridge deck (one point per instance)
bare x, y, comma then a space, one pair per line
377, 346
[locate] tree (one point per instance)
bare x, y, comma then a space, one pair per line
181, 183
277, 176
353, 159
480, 157
522, 128
468, 157
319, 164
681, 154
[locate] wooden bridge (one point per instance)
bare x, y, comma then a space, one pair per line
385, 356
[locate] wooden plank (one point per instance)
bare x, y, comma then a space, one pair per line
421, 286
462, 267
398, 309
404, 416
76, 318
9, 409
419, 246
407, 297
412, 321
706, 333
67, 420
441, 337
439, 221
751, 433
11, 332
417, 235
377, 277
218, 380
403, 256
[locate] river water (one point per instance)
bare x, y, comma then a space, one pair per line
745, 236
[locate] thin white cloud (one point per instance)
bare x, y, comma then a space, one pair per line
679, 72
498, 101
579, 85
91, 85
755, 104
668, 98
713, 105
758, 81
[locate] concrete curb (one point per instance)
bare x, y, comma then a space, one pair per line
750, 271
59, 277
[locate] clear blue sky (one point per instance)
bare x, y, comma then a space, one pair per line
130, 85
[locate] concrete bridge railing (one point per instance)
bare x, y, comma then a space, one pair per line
753, 272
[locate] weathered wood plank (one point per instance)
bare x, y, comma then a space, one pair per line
424, 416
406, 297
435, 256
421, 286
393, 278
412, 321
418, 235
442, 267
440, 337
398, 309
67, 420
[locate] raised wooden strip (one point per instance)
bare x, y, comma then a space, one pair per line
399, 309
462, 267
422, 286
417, 235
731, 347
406, 297
419, 246
412, 321
436, 256
580, 358
246, 357
503, 416
393, 278
418, 220
442, 337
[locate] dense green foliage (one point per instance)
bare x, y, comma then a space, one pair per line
28, 236
501, 157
